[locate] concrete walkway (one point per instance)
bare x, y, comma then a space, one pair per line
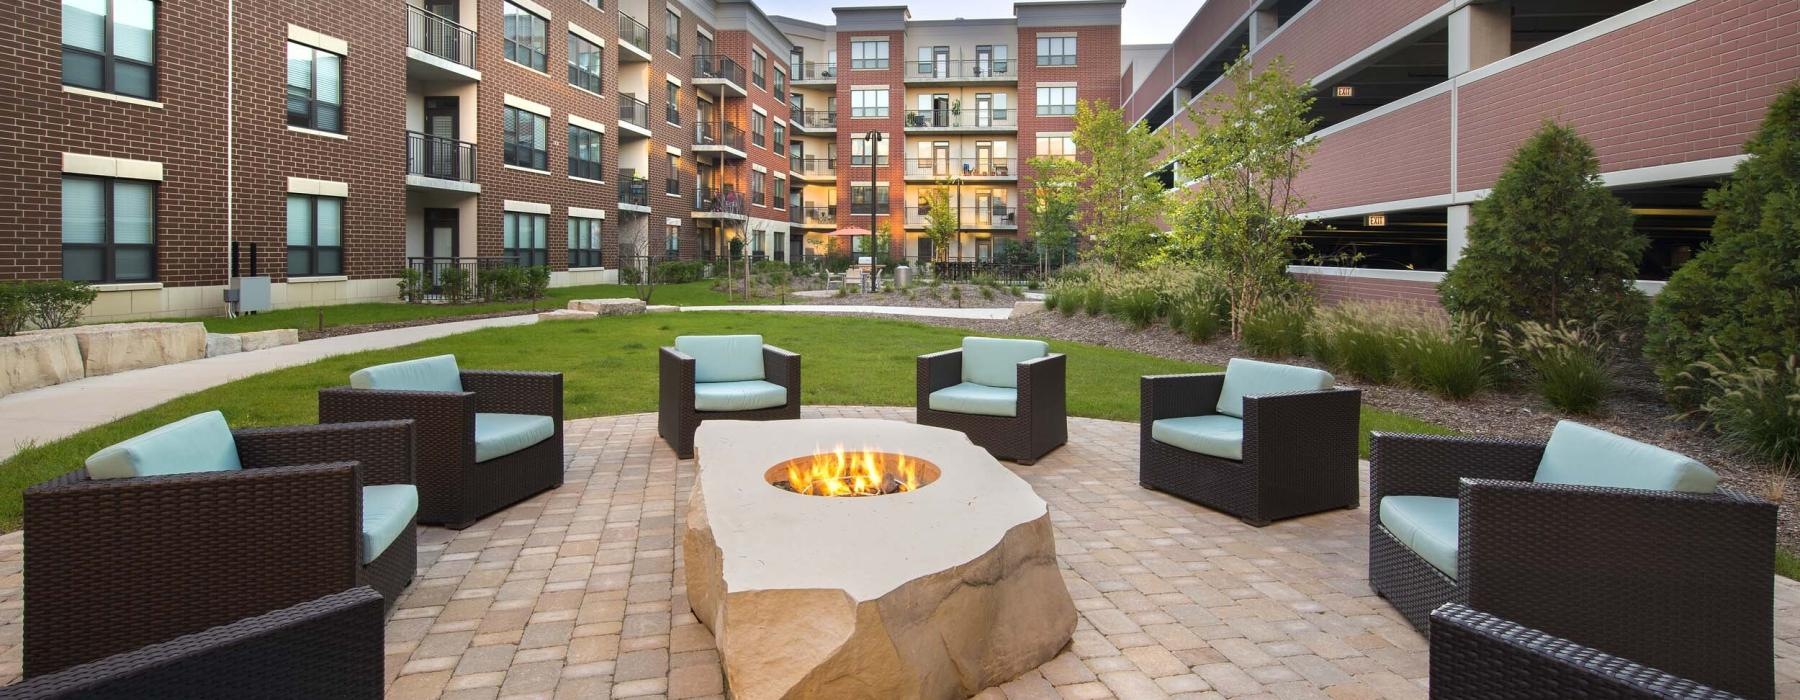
55, 412
923, 312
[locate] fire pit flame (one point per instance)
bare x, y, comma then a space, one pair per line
839, 472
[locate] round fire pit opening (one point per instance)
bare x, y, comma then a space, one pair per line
842, 473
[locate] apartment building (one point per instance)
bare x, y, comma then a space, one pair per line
166, 150
1421, 103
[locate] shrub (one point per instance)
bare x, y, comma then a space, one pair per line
680, 271
1278, 328
1050, 301
500, 283
454, 281
1753, 405
537, 282
1454, 364
987, 293
1550, 244
1094, 300
57, 303
956, 294
1567, 364
15, 309
1739, 291
1198, 316
411, 284
1368, 340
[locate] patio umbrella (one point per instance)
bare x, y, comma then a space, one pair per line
852, 233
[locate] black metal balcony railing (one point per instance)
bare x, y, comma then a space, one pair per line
815, 118
633, 110
439, 37
718, 134
960, 118
970, 216
451, 279
811, 70
718, 201
953, 69
815, 215
634, 32
633, 190
812, 165
718, 67
952, 166
439, 157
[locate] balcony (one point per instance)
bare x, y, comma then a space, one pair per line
993, 217
811, 73
437, 163
634, 117
716, 203
634, 38
813, 121
452, 279
439, 49
975, 168
719, 73
814, 168
952, 120
816, 216
976, 71
719, 137
634, 192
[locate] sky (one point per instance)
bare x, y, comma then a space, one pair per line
1145, 21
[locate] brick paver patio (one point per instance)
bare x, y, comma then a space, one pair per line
579, 593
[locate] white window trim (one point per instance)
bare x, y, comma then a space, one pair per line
588, 180
104, 166
527, 105
521, 168
586, 213
672, 150
321, 188
588, 124
759, 110
577, 30
316, 132
127, 99
672, 80
759, 168
302, 35
532, 7
518, 207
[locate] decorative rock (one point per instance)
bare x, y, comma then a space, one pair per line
118, 347
37, 360
934, 593
1027, 308
661, 309
608, 307
229, 343
566, 315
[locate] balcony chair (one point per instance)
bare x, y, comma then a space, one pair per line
1260, 441
488, 439
723, 377
195, 525
327, 647
1007, 395
1611, 543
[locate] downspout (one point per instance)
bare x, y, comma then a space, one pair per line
230, 113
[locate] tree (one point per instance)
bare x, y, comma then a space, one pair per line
1550, 244
1053, 203
1249, 143
1742, 291
1119, 201
941, 220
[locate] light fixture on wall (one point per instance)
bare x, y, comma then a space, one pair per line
1344, 91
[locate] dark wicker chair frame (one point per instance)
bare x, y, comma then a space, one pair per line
112, 565
455, 491
1477, 655
1299, 449
329, 647
1681, 582
1042, 423
676, 417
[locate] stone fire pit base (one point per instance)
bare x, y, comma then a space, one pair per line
935, 593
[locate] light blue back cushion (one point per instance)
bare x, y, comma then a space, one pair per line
1252, 378
995, 361
1588, 456
723, 358
199, 443
424, 374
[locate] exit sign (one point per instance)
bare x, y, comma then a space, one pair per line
1375, 220
1345, 91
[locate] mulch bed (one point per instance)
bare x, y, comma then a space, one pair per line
923, 296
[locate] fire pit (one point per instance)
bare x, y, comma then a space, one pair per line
907, 563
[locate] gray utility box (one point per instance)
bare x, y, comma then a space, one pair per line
248, 294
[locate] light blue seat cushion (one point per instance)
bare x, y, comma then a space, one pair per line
424, 374
197, 443
723, 358
387, 510
1426, 525
995, 362
738, 396
1217, 435
1252, 378
1588, 456
978, 399
501, 434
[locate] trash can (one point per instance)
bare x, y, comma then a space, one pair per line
903, 277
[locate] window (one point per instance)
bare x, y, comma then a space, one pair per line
859, 199
584, 153
1056, 147
584, 242
672, 239
672, 33
759, 70
110, 45
860, 155
780, 83
780, 139
108, 229
527, 42
1055, 101
1056, 51
584, 64
759, 129
315, 94
525, 137
596, 4
869, 53
673, 186
780, 245
756, 187
315, 235
524, 239
868, 103
672, 103
780, 192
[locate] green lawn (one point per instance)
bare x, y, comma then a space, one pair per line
610, 366
687, 294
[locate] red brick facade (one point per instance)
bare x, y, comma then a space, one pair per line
1095, 74
1410, 147
893, 128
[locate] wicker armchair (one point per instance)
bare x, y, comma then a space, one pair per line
1477, 655
115, 564
1296, 454
328, 647
1679, 581
457, 484
1034, 393
680, 375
